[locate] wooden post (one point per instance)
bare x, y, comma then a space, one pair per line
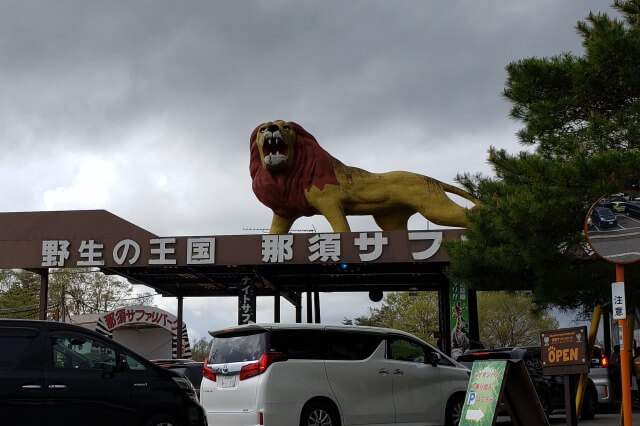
582, 384
444, 321
474, 327
44, 290
298, 297
316, 300
179, 330
569, 402
276, 307
606, 328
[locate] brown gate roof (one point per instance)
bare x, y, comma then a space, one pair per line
387, 261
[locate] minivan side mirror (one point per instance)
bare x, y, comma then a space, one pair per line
434, 358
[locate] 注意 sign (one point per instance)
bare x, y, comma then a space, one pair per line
618, 304
564, 351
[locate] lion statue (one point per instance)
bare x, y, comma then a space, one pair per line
295, 177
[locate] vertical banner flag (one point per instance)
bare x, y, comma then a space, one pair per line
459, 320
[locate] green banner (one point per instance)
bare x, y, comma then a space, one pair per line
459, 320
483, 393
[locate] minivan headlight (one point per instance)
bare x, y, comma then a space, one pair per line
185, 384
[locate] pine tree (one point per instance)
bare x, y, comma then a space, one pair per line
581, 127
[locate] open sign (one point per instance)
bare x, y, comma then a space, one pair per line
564, 351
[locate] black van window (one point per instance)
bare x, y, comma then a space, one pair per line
298, 344
134, 364
234, 347
351, 345
81, 352
13, 350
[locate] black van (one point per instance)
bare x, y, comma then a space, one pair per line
60, 374
633, 209
603, 217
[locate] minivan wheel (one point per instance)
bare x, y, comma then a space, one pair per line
319, 414
162, 420
454, 411
588, 411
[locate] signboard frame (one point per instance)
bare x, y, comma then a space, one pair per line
511, 385
561, 344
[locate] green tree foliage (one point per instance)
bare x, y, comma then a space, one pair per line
581, 118
84, 292
88, 292
509, 319
200, 348
19, 294
416, 313
505, 319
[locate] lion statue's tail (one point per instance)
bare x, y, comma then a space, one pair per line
461, 192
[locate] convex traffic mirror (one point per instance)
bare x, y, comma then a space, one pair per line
612, 227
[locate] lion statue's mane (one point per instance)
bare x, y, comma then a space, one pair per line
283, 192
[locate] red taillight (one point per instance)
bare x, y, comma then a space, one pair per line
261, 366
604, 361
261, 418
480, 353
208, 371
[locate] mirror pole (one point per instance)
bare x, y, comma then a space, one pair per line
624, 360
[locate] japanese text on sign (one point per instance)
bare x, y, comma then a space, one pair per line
563, 348
483, 393
147, 315
325, 247
618, 305
199, 251
321, 248
246, 302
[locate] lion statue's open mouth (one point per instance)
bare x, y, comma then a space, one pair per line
275, 144
295, 177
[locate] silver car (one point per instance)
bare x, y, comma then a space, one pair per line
599, 374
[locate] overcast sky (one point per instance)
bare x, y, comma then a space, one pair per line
144, 108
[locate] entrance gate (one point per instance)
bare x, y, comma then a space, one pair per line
243, 266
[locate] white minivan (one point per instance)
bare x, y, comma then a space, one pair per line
318, 375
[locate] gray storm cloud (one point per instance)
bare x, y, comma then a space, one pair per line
145, 108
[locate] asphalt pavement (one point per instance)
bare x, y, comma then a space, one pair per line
600, 420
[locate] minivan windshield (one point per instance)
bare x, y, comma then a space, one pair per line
236, 347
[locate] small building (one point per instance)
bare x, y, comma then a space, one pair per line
146, 330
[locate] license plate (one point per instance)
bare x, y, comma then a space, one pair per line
227, 381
